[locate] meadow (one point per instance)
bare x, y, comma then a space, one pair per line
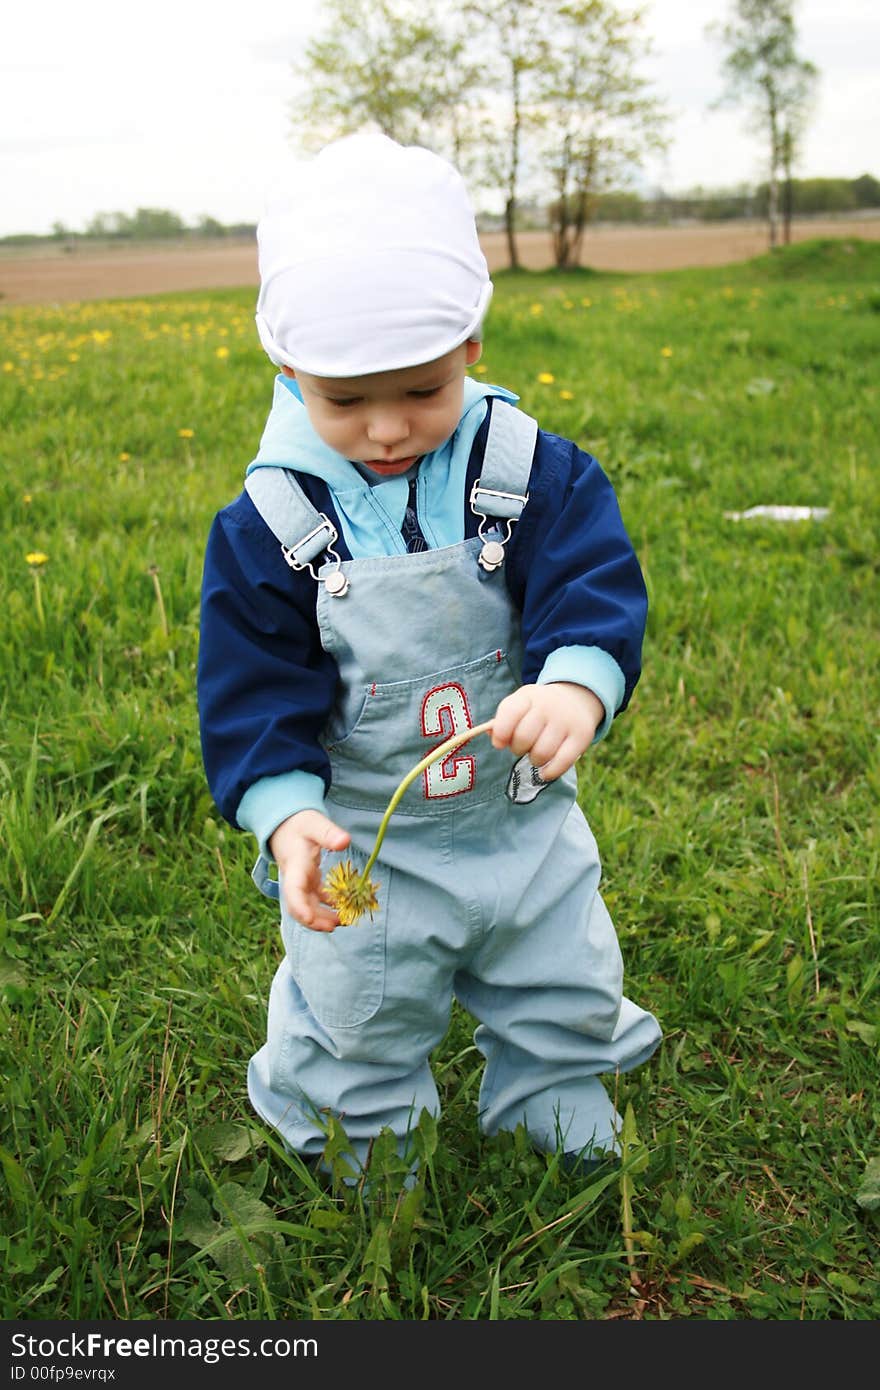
735, 805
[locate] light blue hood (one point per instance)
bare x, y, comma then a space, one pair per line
371, 514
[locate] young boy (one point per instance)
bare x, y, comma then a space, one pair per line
412, 556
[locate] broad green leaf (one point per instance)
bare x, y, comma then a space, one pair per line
230, 1142
844, 1282
868, 1194
325, 1219
19, 1187
866, 1031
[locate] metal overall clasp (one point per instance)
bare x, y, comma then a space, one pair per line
320, 540
507, 506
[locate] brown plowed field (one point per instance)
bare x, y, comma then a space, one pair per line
55, 275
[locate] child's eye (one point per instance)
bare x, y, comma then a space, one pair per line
423, 395
343, 404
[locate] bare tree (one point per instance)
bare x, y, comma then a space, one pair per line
599, 119
761, 66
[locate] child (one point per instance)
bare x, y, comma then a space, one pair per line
412, 556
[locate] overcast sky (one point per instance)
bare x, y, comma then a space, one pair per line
183, 104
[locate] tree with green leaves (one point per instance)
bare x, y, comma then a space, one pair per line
386, 64
598, 116
513, 43
761, 66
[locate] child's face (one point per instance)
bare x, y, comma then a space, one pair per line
387, 420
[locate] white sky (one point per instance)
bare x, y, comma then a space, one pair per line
183, 104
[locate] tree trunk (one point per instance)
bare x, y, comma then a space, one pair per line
787, 190
510, 230
773, 210
510, 205
773, 182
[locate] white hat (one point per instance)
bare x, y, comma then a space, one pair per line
369, 261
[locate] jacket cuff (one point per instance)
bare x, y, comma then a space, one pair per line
593, 668
271, 800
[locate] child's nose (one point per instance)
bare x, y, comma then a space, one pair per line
387, 427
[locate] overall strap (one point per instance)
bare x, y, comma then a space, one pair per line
501, 491
304, 532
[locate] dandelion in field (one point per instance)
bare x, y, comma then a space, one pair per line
222, 352
124, 457
666, 352
546, 378
36, 559
536, 309
587, 303
185, 433
566, 395
9, 366
73, 357
27, 499
481, 368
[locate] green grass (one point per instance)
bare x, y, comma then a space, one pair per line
735, 806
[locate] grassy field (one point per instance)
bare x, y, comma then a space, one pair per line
735, 805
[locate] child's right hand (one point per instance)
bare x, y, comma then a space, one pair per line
296, 848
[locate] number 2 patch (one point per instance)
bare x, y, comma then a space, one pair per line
445, 712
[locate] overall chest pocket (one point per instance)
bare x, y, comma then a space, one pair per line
398, 723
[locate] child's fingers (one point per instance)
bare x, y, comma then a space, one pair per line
303, 903
507, 717
566, 755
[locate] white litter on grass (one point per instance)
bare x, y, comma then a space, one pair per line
774, 513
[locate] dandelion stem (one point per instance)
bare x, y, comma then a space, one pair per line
38, 599
163, 620
441, 751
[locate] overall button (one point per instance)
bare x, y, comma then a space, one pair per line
336, 584
492, 555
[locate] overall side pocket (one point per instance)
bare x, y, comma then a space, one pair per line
342, 973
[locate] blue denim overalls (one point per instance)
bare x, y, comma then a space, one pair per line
489, 899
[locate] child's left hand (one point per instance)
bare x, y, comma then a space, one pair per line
553, 723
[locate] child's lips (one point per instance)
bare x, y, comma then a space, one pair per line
391, 465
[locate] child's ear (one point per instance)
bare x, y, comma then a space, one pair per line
288, 371
473, 351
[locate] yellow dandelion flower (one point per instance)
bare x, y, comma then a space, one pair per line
73, 357
124, 457
27, 499
481, 368
587, 303
9, 366
351, 893
666, 352
536, 309
36, 558
222, 352
185, 433
566, 395
546, 378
